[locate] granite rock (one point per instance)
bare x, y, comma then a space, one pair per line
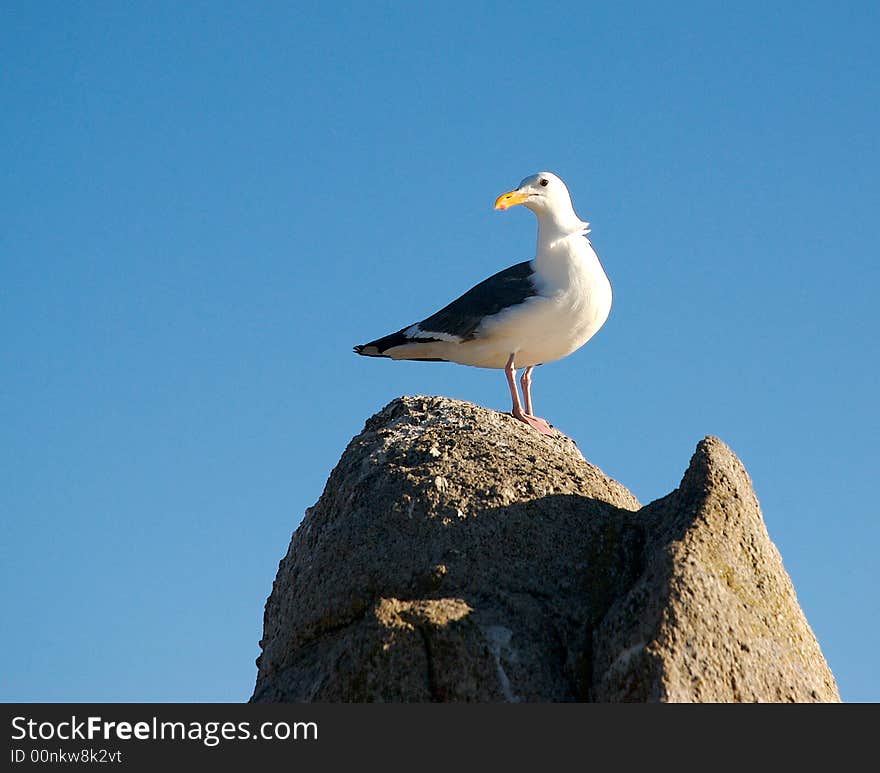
457, 555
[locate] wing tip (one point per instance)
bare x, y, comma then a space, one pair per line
367, 350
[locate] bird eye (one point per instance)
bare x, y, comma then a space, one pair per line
544, 182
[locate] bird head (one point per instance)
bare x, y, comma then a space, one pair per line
547, 196
540, 192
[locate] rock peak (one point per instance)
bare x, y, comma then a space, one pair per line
457, 555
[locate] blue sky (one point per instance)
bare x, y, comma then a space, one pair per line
206, 205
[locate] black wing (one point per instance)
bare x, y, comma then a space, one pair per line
463, 316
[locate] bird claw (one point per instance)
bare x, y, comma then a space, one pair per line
536, 423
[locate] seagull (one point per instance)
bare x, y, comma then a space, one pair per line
532, 313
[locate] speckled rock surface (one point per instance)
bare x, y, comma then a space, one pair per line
457, 555
714, 616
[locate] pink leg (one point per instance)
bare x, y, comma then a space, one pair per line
526, 382
518, 413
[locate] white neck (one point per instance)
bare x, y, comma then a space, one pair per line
554, 227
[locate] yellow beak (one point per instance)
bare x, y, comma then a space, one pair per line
510, 199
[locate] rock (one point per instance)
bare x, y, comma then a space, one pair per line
713, 615
457, 555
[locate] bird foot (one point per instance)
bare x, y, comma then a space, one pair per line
536, 423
